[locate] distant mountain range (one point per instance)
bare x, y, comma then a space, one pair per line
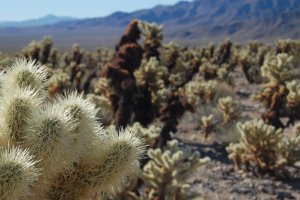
199, 21
47, 20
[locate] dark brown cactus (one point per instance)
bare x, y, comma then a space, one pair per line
127, 58
170, 114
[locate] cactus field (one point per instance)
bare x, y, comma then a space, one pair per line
150, 120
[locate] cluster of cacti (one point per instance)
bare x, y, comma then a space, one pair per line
146, 86
198, 91
54, 148
153, 38
40, 51
149, 134
251, 60
229, 108
281, 75
152, 76
58, 81
82, 67
166, 174
288, 46
263, 148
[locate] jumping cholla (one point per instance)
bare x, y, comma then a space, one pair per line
229, 108
263, 148
55, 148
166, 173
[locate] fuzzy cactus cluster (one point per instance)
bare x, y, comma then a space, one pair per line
263, 149
166, 173
55, 148
280, 94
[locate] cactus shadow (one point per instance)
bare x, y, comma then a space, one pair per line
215, 151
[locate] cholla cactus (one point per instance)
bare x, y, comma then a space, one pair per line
166, 173
263, 148
259, 146
17, 173
199, 91
293, 97
153, 38
207, 124
29, 75
291, 147
169, 55
39, 51
287, 46
223, 52
151, 75
102, 87
208, 71
58, 82
105, 112
56, 149
251, 59
149, 134
278, 68
229, 108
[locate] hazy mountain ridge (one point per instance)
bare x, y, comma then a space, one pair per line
199, 21
210, 18
47, 20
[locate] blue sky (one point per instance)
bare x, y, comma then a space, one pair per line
14, 10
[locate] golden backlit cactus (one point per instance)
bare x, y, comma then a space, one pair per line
166, 173
229, 108
54, 148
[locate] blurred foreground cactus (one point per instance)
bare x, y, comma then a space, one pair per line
55, 148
